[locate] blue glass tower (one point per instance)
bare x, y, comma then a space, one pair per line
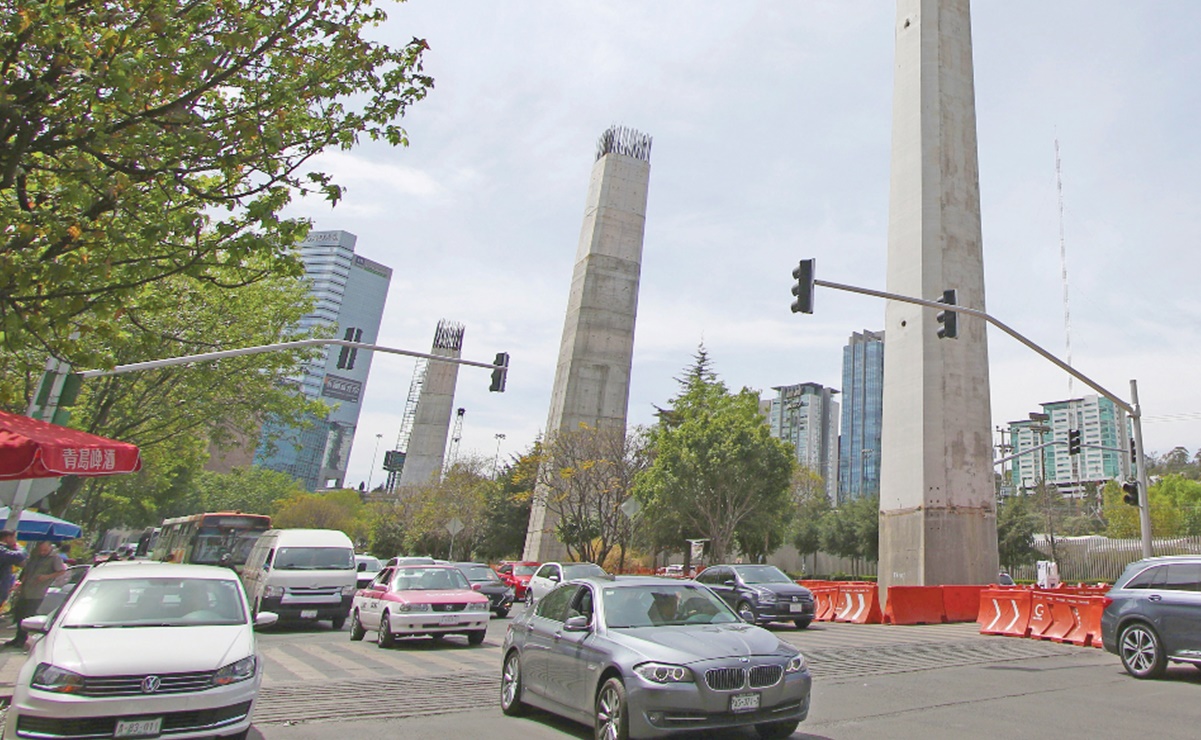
862, 414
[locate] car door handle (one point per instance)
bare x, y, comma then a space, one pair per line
1154, 597
558, 636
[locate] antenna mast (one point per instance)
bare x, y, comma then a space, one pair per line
1063, 262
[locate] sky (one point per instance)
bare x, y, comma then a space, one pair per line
772, 124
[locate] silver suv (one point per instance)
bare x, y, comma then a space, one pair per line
1154, 615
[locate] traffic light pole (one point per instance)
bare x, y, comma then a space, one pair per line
1129, 408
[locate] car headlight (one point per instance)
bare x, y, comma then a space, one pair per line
47, 677
273, 592
234, 672
413, 608
349, 590
766, 596
477, 607
664, 673
796, 664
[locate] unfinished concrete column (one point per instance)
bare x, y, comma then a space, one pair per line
937, 516
431, 426
592, 379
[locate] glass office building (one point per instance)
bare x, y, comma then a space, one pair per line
862, 415
806, 415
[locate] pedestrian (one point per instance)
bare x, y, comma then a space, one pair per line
40, 570
64, 552
11, 555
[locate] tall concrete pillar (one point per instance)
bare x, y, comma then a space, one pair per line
592, 379
431, 425
937, 516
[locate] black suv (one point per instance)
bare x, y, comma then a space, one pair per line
1154, 615
485, 580
763, 590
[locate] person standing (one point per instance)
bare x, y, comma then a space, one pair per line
11, 555
40, 570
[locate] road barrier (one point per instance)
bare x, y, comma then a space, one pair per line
858, 603
1004, 611
825, 602
1070, 615
961, 603
914, 605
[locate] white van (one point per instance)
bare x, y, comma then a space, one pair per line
302, 574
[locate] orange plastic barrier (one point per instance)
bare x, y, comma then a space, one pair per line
1090, 618
1069, 623
914, 605
825, 602
1042, 615
1005, 611
961, 603
858, 603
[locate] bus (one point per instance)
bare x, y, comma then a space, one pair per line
205, 538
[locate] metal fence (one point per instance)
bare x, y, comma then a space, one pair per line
1097, 558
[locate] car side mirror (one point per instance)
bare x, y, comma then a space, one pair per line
730, 583
265, 619
578, 623
378, 587
553, 577
39, 623
747, 616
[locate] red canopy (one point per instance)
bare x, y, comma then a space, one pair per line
34, 449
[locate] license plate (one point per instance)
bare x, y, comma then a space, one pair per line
138, 727
449, 620
796, 607
308, 614
744, 702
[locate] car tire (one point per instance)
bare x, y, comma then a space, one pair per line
1141, 651
384, 636
610, 718
477, 637
510, 686
502, 613
338, 623
802, 623
357, 632
777, 730
529, 598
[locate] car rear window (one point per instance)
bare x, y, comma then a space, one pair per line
1153, 577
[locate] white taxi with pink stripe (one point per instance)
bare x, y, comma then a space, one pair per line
419, 600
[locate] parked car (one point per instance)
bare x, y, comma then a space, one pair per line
550, 575
646, 657
366, 567
763, 590
1153, 615
183, 663
485, 580
306, 574
410, 560
517, 573
415, 600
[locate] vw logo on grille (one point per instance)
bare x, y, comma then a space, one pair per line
151, 684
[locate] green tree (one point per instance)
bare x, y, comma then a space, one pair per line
716, 469
341, 509
1017, 524
507, 511
811, 504
251, 490
148, 139
460, 494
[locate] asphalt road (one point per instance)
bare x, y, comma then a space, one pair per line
870, 681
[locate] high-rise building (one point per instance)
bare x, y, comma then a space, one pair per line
349, 292
806, 415
862, 415
1104, 438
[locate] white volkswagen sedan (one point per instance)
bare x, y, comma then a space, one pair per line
142, 650
550, 575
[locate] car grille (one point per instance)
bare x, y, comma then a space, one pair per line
83, 728
732, 679
168, 683
448, 607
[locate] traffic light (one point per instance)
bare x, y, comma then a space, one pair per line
501, 373
803, 290
1133, 455
948, 319
1131, 489
1073, 441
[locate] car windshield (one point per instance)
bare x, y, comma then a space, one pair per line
314, 558
663, 605
415, 578
581, 570
753, 574
524, 570
155, 602
479, 573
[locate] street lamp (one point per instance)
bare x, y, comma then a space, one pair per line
496, 457
371, 472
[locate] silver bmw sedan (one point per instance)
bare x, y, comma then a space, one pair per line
644, 657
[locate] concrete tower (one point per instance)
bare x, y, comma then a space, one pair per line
431, 427
592, 380
937, 518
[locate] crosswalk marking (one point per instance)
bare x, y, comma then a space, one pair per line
295, 666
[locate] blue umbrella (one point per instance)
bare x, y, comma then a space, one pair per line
35, 527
